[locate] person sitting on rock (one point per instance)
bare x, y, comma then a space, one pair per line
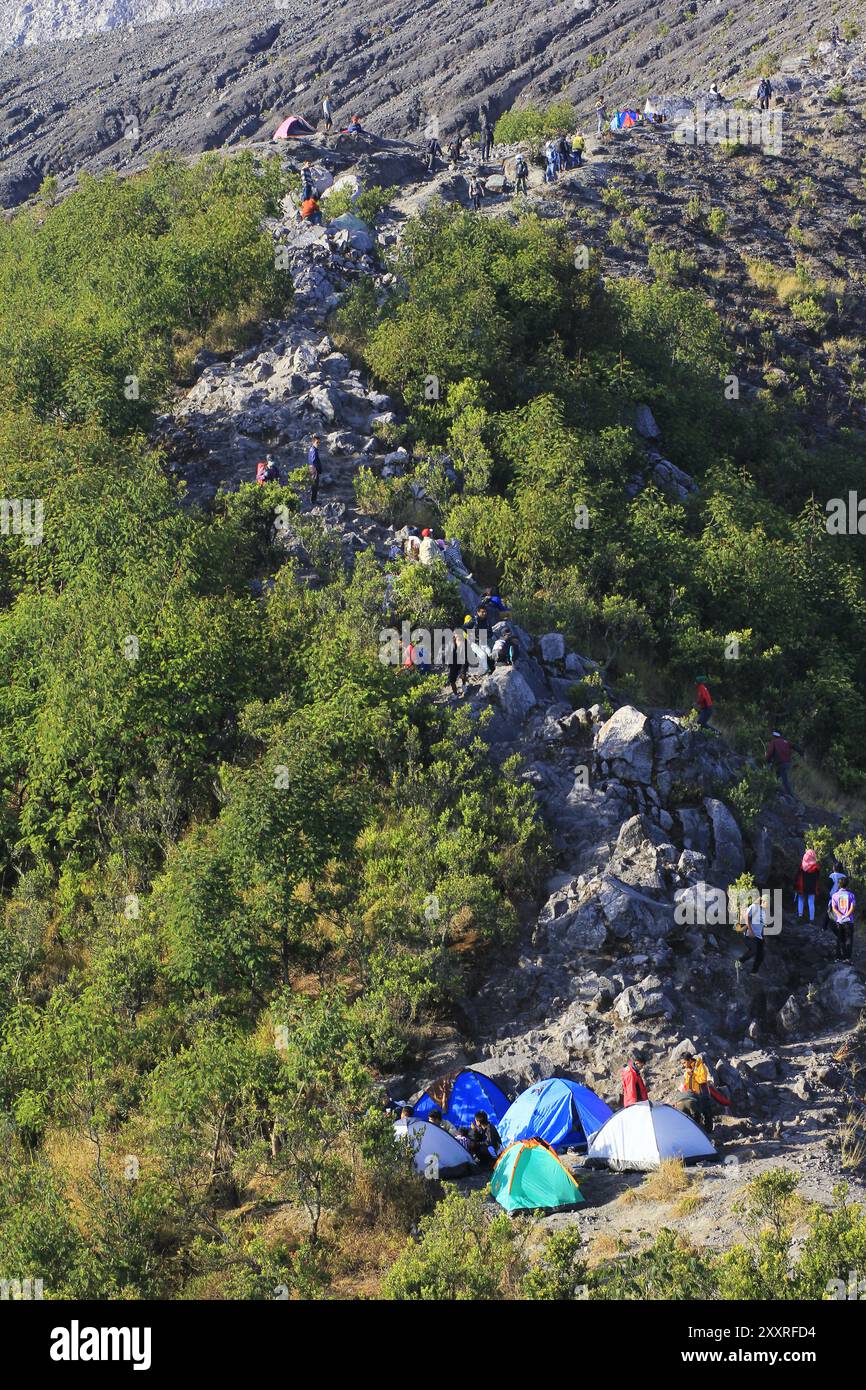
704, 701
634, 1087
311, 212
504, 649
484, 1137
428, 551
806, 884
354, 127
491, 599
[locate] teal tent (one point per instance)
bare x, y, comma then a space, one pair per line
529, 1176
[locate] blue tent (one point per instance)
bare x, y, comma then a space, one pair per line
470, 1092
562, 1113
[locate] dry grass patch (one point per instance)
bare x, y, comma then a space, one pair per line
668, 1182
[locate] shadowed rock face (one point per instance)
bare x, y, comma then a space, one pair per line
200, 81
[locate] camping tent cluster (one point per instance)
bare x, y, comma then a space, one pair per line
551, 1115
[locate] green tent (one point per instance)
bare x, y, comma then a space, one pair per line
529, 1175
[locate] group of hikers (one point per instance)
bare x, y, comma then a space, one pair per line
267, 469
480, 1139
841, 903
560, 154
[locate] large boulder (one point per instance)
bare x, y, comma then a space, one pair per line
507, 688
552, 646
729, 859
624, 743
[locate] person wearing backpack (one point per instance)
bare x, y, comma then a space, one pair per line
564, 153
476, 191
765, 91
806, 884
521, 173
843, 905
696, 1082
434, 152
267, 471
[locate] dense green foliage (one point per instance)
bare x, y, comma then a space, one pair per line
237, 850
537, 368
461, 1247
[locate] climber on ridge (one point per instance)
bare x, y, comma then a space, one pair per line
779, 752
704, 701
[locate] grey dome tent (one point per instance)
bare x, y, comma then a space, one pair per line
642, 1136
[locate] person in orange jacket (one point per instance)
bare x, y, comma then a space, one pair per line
704, 701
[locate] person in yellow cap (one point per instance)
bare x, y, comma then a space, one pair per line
696, 1082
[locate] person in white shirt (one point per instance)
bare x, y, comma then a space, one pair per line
756, 921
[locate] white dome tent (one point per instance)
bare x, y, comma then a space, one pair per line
641, 1136
436, 1152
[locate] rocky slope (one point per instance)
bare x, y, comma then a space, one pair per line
201, 81
635, 802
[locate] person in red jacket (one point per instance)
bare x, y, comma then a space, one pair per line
633, 1084
704, 702
779, 752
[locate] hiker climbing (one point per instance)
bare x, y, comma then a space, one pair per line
504, 649
765, 91
779, 752
476, 191
755, 926
311, 212
578, 145
843, 905
600, 116
327, 113
455, 149
434, 152
486, 139
704, 701
806, 884
563, 150
314, 467
306, 181
634, 1087
551, 162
